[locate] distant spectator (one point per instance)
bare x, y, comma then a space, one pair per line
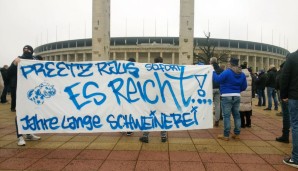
6, 83
260, 86
270, 85
1, 83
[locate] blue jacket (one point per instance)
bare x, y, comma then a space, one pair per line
231, 81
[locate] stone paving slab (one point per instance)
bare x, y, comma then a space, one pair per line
185, 150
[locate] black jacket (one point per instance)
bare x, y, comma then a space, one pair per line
261, 81
271, 76
289, 77
218, 70
12, 75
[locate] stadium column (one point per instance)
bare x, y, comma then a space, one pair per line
262, 63
125, 56
173, 58
186, 32
114, 55
137, 56
100, 30
148, 60
254, 64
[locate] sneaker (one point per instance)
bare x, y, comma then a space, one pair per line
129, 133
164, 139
222, 137
279, 114
32, 137
144, 139
267, 109
21, 141
236, 137
13, 110
276, 109
249, 126
282, 139
216, 123
290, 162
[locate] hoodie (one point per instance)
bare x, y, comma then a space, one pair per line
232, 81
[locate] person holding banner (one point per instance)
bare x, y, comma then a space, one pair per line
163, 134
12, 74
232, 82
131, 60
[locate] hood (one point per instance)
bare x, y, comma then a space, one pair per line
236, 69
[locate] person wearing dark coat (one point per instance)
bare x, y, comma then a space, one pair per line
6, 83
270, 85
289, 93
260, 86
284, 138
13, 78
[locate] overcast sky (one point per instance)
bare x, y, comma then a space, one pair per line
37, 22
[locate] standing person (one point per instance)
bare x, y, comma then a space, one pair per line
12, 74
253, 82
260, 86
216, 93
232, 82
245, 99
284, 138
289, 93
163, 134
6, 83
270, 85
130, 60
1, 83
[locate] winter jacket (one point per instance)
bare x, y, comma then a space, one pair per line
245, 100
271, 76
289, 78
261, 81
232, 80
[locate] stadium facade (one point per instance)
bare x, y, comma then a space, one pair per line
145, 49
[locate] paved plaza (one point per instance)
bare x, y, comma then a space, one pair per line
185, 150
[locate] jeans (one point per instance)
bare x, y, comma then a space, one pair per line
230, 105
271, 93
216, 100
285, 120
293, 111
261, 96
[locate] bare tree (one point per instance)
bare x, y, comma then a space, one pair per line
208, 50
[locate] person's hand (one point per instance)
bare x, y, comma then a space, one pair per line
16, 61
285, 100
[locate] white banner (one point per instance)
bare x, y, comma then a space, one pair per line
112, 96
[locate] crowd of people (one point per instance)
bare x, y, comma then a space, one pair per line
233, 90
